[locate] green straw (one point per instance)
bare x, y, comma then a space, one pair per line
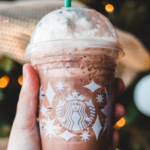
67, 3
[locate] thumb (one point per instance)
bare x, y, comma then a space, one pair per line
28, 99
25, 127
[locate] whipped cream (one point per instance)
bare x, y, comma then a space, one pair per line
73, 23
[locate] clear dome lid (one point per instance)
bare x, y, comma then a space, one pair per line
73, 27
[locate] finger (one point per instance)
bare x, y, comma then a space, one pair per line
115, 139
28, 99
119, 112
24, 131
119, 86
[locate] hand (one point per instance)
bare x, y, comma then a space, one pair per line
25, 133
119, 110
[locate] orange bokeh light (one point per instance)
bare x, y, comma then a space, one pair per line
121, 123
20, 79
109, 8
5, 21
4, 81
93, 9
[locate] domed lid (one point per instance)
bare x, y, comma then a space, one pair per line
73, 26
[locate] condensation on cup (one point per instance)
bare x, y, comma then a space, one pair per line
74, 52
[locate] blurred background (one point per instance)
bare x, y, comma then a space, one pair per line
131, 20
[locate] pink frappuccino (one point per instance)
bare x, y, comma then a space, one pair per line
75, 51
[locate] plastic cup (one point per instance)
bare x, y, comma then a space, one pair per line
74, 51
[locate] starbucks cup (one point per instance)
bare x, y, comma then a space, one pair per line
74, 52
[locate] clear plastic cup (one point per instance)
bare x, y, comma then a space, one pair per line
74, 51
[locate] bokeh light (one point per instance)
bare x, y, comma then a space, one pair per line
4, 81
5, 21
93, 9
142, 95
109, 8
20, 79
120, 123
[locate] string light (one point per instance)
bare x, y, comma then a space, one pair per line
109, 8
120, 123
4, 81
20, 79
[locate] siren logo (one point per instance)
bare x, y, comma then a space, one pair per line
73, 113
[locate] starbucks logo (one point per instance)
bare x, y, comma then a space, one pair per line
73, 113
